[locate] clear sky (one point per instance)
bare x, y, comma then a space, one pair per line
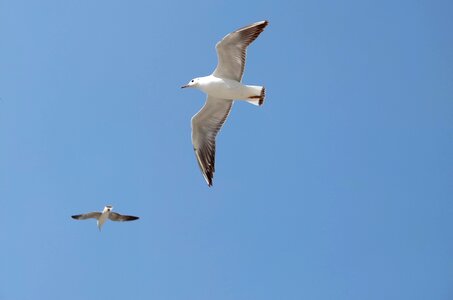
339, 187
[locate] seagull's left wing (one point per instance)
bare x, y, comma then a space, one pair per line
117, 217
205, 126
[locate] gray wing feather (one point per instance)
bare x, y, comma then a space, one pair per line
91, 215
205, 126
231, 50
121, 218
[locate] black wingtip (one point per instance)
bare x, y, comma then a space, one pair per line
209, 181
263, 24
128, 218
74, 217
208, 177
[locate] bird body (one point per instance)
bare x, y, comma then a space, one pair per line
224, 88
103, 217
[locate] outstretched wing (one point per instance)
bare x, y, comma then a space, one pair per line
121, 218
205, 126
231, 50
91, 215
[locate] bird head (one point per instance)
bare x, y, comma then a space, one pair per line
193, 83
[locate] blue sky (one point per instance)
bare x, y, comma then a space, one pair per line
339, 187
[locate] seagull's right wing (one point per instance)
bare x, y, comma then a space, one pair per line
205, 126
91, 215
231, 50
117, 217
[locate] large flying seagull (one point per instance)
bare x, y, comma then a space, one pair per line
222, 87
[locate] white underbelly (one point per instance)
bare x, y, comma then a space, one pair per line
102, 219
226, 89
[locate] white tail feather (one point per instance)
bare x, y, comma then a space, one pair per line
258, 95
254, 102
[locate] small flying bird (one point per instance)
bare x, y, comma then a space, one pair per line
222, 87
101, 217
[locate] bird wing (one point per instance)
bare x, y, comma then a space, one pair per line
117, 217
205, 126
91, 215
231, 50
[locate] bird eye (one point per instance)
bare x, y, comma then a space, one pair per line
192, 80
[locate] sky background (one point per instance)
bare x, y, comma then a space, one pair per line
339, 187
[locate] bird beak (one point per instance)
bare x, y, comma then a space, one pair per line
184, 86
